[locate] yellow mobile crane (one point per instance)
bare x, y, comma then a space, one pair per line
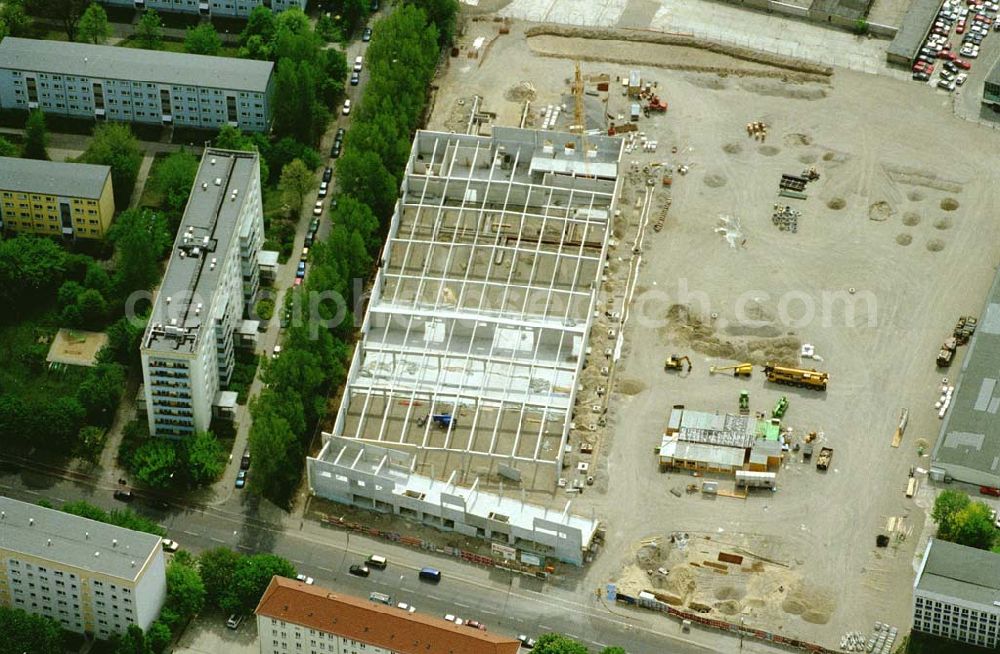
739, 370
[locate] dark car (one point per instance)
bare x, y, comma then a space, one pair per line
340, 134
429, 574
367, 34
335, 149
374, 5
921, 76
327, 174
309, 239
245, 460
359, 570
526, 642
241, 479
355, 78
124, 496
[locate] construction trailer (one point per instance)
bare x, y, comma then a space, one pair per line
750, 479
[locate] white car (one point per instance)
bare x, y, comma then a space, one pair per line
406, 607
323, 188
946, 84
170, 545
347, 107
960, 80
318, 208
454, 618
304, 579
358, 61
276, 352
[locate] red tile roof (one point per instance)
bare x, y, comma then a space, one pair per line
375, 624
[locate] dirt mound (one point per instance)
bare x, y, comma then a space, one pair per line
520, 92
943, 223
728, 607
768, 150
730, 593
812, 604
836, 203
732, 148
631, 387
904, 239
808, 158
949, 204
915, 196
935, 245
880, 211
713, 180
911, 218
702, 337
780, 90
798, 139
921, 177
713, 82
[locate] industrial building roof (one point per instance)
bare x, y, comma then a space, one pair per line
724, 429
186, 297
74, 541
714, 455
994, 75
961, 572
970, 435
110, 62
482, 309
73, 180
374, 623
913, 30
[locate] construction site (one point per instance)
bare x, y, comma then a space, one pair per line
785, 255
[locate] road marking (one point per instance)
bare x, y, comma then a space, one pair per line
573, 636
601, 645
31, 492
59, 499
242, 546
545, 627
487, 612
218, 540
325, 569
464, 606
190, 533
299, 562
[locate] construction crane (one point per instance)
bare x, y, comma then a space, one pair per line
675, 362
739, 370
579, 117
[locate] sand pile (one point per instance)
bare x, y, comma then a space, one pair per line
756, 344
520, 92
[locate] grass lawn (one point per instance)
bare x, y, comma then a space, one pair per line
24, 366
174, 46
150, 198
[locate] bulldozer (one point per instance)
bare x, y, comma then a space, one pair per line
739, 370
676, 362
744, 403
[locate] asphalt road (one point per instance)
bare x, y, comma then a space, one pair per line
506, 603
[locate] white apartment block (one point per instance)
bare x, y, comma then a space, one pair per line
211, 281
297, 618
957, 593
102, 82
237, 8
88, 576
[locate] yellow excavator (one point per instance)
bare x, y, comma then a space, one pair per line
739, 370
675, 362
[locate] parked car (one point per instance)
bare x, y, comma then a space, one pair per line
305, 255
475, 624
526, 643
355, 78
327, 174
374, 5
339, 136
309, 239
377, 561
241, 479
946, 84
454, 619
359, 570
358, 63
304, 579
245, 459
318, 208
347, 107
124, 496
323, 188
170, 545
366, 35
960, 80
963, 64
300, 271
234, 621
276, 352
335, 152
432, 575
406, 607
921, 76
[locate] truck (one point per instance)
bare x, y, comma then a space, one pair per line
811, 378
947, 352
823, 458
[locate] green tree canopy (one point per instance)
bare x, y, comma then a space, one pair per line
93, 26
203, 40
158, 636
251, 578
100, 391
23, 632
260, 24
173, 179
30, 269
65, 12
364, 176
442, 14
36, 137
149, 30
114, 145
7, 149
217, 567
296, 183
558, 644
185, 589
947, 506
155, 462
133, 641
140, 238
204, 458
974, 526
119, 517
17, 21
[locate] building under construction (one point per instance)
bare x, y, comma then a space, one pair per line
720, 442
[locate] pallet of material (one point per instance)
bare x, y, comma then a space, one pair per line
787, 193
721, 567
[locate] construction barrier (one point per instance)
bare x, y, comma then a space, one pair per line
419, 543
722, 625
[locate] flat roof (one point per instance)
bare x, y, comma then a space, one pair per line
970, 433
373, 623
961, 572
994, 75
74, 541
185, 299
481, 311
111, 62
76, 180
721, 455
914, 28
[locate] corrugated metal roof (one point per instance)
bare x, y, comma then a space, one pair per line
914, 28
110, 62
961, 572
76, 180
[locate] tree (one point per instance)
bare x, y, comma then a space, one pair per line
204, 458
558, 644
355, 215
217, 567
93, 26
7, 149
36, 137
328, 30
613, 650
250, 579
114, 145
947, 506
23, 632
260, 24
90, 442
155, 462
296, 183
12, 15
203, 40
149, 30
185, 590
974, 526
100, 391
158, 636
442, 14
366, 178
174, 177
296, 113
140, 238
133, 641
30, 269
124, 336
93, 308
275, 449
66, 12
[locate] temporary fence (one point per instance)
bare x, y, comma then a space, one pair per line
721, 625
419, 543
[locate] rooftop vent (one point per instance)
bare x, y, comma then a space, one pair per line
213, 161
218, 181
31, 521
133, 564
168, 299
204, 241
49, 542
114, 542
97, 553
3, 515
204, 186
86, 535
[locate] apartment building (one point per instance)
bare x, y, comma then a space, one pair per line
55, 199
88, 576
297, 618
991, 88
236, 8
100, 82
956, 594
212, 279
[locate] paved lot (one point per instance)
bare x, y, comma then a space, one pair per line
208, 634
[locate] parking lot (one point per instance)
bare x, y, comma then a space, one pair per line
893, 244
208, 634
955, 43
